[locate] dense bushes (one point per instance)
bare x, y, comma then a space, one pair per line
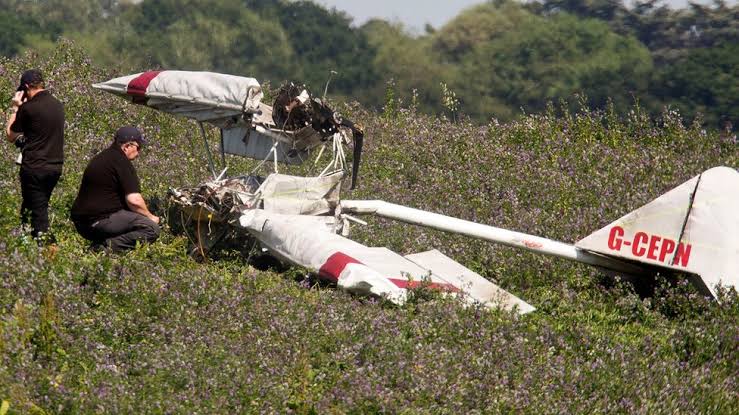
156, 332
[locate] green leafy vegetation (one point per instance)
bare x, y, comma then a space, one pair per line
154, 331
502, 58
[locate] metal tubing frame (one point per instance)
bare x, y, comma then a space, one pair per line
207, 150
489, 233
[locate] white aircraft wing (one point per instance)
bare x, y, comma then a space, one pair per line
211, 97
231, 103
364, 270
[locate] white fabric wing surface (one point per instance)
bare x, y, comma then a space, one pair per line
203, 96
364, 270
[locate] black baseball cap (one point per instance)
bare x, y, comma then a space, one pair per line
128, 134
31, 76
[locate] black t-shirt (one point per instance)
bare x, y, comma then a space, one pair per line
107, 180
41, 120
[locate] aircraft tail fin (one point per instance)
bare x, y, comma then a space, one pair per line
693, 228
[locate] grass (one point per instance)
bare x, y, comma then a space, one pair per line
154, 331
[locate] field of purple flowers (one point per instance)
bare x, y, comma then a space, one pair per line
154, 331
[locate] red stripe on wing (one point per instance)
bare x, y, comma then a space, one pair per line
334, 266
138, 85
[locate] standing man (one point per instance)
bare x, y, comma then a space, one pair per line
109, 209
36, 125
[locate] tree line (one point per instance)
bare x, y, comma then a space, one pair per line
498, 59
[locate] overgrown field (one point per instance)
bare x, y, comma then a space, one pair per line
154, 331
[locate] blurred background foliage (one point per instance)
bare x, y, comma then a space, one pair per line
502, 58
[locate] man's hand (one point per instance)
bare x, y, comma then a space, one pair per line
137, 204
18, 99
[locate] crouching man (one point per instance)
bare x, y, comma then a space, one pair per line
109, 210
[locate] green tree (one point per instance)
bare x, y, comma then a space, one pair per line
324, 41
58, 16
607, 10
213, 35
548, 59
475, 26
705, 81
409, 62
15, 29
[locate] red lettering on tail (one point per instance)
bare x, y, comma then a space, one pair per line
654, 247
652, 252
614, 238
639, 238
683, 255
668, 247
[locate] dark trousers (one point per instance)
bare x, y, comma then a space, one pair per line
36, 188
120, 231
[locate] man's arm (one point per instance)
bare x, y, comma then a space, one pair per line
10, 134
137, 204
16, 102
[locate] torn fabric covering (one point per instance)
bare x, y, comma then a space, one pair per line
297, 195
224, 200
243, 140
218, 200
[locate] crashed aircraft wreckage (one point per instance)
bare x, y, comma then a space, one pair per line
692, 229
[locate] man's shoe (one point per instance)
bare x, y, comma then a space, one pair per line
97, 247
45, 239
